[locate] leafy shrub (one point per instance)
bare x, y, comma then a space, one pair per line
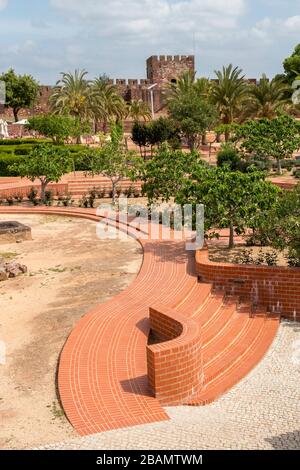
48, 198
32, 196
269, 258
293, 259
228, 155
296, 173
10, 200
6, 161
65, 200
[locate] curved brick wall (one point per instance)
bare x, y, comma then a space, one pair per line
277, 288
175, 365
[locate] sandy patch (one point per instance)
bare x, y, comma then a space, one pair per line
222, 254
69, 271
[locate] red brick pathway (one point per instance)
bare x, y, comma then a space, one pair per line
103, 370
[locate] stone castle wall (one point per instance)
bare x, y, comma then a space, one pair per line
161, 70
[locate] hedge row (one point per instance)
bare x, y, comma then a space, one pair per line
6, 161
24, 141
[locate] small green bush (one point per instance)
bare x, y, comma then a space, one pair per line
228, 155
296, 173
6, 161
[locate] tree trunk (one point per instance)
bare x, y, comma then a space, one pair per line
279, 169
16, 112
43, 190
114, 187
227, 136
231, 236
204, 139
191, 143
218, 137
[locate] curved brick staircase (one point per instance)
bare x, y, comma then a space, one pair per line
102, 377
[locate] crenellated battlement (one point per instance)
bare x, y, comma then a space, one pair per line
170, 58
164, 69
130, 82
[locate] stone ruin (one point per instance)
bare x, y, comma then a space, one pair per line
11, 269
12, 232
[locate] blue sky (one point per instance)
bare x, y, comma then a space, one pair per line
46, 37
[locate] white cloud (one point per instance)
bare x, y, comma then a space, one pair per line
151, 17
3, 4
292, 24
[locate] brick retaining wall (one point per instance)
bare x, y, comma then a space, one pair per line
276, 288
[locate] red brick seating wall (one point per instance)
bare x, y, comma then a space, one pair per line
175, 365
276, 288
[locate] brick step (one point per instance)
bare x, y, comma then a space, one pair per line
230, 349
197, 296
212, 329
241, 367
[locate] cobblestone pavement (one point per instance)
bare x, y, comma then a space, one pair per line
261, 412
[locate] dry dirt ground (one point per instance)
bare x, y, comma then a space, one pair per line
222, 254
69, 271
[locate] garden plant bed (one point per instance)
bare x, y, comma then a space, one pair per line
222, 254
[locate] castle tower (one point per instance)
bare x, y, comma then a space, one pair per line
167, 69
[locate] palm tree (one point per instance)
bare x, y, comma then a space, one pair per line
268, 98
73, 95
228, 94
107, 102
138, 109
183, 86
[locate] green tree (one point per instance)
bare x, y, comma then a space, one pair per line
138, 109
107, 104
185, 85
21, 91
140, 136
282, 227
46, 163
114, 161
292, 66
57, 127
73, 95
268, 98
164, 175
229, 94
231, 199
278, 138
193, 115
